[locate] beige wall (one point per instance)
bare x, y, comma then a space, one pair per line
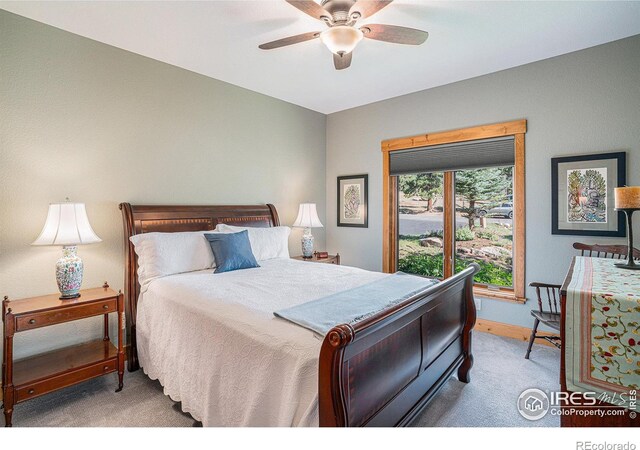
582, 102
101, 125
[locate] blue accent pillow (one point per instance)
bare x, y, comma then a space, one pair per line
232, 251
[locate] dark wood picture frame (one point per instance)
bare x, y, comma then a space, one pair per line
621, 176
365, 202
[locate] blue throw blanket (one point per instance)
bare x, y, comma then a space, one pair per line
354, 305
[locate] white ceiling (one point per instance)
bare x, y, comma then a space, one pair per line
220, 39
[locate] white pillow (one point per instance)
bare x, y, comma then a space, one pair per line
162, 254
266, 243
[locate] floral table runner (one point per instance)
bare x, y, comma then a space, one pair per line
602, 330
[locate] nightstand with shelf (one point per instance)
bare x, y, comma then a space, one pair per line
37, 375
331, 259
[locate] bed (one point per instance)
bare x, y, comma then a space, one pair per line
214, 344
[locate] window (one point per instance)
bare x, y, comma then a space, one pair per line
454, 198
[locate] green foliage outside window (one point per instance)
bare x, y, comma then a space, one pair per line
433, 266
465, 234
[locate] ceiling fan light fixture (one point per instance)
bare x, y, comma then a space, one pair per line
341, 39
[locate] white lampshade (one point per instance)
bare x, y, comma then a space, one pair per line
67, 224
341, 39
307, 216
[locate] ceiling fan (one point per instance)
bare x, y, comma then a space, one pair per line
343, 35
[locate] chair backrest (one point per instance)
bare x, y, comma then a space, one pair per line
549, 294
605, 251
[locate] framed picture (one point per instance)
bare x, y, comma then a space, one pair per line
582, 194
353, 193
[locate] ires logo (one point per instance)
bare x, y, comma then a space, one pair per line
534, 404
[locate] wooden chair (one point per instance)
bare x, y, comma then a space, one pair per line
548, 314
605, 251
551, 316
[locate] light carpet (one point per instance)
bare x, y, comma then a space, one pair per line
500, 373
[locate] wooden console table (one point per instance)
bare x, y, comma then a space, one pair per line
600, 310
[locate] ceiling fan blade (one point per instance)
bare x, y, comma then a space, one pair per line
342, 61
290, 40
310, 7
395, 34
368, 8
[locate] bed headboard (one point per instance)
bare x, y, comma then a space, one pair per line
140, 219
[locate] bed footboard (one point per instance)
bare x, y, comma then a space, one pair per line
384, 370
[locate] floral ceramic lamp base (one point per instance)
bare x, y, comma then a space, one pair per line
69, 273
307, 244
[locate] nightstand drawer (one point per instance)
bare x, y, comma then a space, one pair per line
43, 319
63, 380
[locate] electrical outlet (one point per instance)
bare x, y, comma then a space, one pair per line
478, 304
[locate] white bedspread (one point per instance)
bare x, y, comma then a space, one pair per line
213, 343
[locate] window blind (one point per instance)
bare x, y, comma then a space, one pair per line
477, 154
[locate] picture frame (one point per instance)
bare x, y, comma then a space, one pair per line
353, 200
582, 202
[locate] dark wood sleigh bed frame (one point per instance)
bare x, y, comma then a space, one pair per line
382, 371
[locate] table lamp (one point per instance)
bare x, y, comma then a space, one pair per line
627, 199
67, 224
307, 219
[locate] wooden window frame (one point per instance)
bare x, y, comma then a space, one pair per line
517, 129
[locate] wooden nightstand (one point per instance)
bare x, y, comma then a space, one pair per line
332, 259
32, 377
